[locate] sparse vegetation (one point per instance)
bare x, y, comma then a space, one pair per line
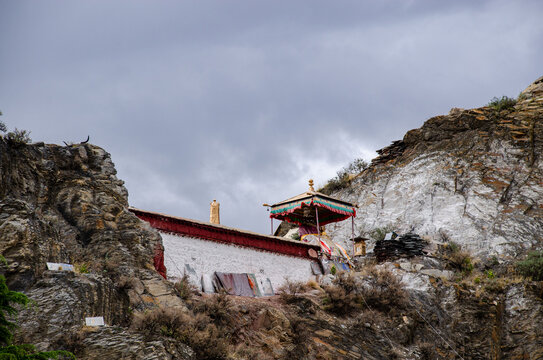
82, 268
8, 301
300, 336
379, 289
379, 233
219, 308
503, 103
532, 266
457, 259
384, 290
197, 331
185, 289
18, 137
291, 291
344, 176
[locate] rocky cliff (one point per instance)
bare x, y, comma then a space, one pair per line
65, 205
468, 182
472, 176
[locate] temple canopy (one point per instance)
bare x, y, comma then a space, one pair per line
312, 207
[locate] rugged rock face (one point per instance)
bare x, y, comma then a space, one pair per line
65, 204
473, 177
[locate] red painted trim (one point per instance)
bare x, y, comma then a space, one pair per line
225, 235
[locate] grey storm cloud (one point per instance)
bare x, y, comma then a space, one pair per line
244, 101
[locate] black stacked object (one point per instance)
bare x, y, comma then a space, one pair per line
407, 245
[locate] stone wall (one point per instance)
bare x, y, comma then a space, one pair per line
206, 257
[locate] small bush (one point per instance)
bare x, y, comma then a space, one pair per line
532, 266
495, 285
290, 292
185, 289
380, 290
18, 137
344, 176
503, 103
379, 233
339, 301
218, 307
384, 290
83, 268
457, 259
127, 282
3, 127
198, 332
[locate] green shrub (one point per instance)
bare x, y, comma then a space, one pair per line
503, 103
83, 268
3, 127
458, 259
9, 299
490, 274
532, 266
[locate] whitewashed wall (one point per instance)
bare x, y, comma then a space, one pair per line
206, 257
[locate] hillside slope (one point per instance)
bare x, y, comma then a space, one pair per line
473, 177
65, 204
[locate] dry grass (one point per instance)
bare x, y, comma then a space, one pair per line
219, 308
197, 331
185, 289
427, 351
378, 289
291, 291
127, 282
300, 337
383, 290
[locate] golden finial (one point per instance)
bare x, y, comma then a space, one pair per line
311, 185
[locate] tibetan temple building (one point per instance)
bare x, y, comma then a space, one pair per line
247, 263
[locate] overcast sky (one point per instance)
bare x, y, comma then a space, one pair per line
244, 101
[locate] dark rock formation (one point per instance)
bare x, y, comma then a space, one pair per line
407, 245
65, 204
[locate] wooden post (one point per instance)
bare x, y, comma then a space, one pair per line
318, 226
352, 233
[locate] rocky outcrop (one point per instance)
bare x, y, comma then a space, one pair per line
65, 205
472, 177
